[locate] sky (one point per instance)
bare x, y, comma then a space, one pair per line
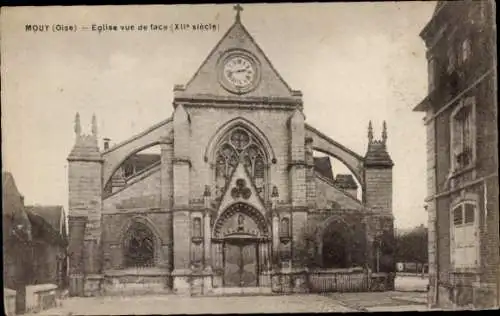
353, 62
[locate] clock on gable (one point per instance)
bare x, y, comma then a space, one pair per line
239, 72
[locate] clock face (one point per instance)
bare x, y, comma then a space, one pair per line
239, 71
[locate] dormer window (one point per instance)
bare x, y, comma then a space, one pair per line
463, 135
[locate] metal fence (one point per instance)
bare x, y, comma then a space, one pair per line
335, 281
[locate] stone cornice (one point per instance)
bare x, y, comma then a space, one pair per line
234, 102
296, 163
138, 210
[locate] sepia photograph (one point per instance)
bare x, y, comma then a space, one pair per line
250, 158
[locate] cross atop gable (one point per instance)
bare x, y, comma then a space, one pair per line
237, 68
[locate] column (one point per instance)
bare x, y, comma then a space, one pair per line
167, 152
276, 240
207, 242
76, 243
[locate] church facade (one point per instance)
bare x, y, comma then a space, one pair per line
234, 197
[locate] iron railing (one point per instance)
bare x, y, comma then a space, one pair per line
338, 281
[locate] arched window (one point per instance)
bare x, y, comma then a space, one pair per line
139, 246
240, 145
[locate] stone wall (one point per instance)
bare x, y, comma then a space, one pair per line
378, 190
204, 125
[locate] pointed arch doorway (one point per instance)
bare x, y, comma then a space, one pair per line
241, 244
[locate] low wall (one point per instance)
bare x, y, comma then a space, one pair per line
155, 281
135, 282
40, 297
9, 301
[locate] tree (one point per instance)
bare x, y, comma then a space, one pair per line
412, 246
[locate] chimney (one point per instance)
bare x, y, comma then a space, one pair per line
106, 143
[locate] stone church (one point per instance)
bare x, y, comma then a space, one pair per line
234, 198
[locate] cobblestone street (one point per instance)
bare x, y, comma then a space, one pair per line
382, 301
173, 304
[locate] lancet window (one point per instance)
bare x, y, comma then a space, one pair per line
240, 146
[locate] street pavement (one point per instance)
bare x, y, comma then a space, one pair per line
174, 304
382, 301
305, 303
410, 295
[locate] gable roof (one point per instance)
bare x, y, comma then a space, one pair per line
12, 200
205, 80
53, 215
15, 220
43, 228
323, 166
345, 181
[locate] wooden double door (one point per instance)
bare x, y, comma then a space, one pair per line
241, 263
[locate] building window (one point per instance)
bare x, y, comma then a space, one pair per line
463, 135
464, 241
466, 50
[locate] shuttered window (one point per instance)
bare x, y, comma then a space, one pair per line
464, 242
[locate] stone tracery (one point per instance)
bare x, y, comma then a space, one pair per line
237, 146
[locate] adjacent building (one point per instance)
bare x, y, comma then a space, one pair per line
50, 243
462, 154
34, 245
233, 197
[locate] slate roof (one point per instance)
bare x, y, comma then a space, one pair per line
439, 5
142, 161
377, 155
323, 166
53, 215
345, 181
11, 198
48, 223
13, 212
